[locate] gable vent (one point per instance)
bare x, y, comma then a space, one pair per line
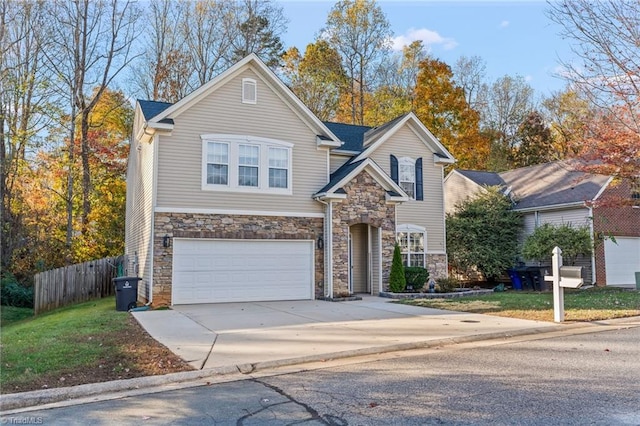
249, 91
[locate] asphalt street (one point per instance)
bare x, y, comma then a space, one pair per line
558, 378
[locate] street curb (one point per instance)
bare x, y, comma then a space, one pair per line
48, 396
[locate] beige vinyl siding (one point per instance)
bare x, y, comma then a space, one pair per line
576, 217
138, 238
335, 161
428, 213
457, 189
222, 112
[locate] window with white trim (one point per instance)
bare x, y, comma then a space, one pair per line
407, 175
246, 164
249, 91
278, 167
217, 163
412, 242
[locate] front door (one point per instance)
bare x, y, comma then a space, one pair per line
359, 259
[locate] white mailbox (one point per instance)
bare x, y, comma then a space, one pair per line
571, 276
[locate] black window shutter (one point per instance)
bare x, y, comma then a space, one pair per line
394, 168
419, 190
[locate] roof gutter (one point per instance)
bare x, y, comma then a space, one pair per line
551, 207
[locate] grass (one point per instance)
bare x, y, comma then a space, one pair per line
10, 314
55, 342
580, 305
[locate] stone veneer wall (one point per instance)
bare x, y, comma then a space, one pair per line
188, 225
365, 203
437, 265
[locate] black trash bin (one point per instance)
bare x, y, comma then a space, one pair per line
537, 282
126, 292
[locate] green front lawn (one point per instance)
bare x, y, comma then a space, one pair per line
580, 305
57, 342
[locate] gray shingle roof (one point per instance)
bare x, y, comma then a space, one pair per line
337, 176
552, 184
483, 178
152, 108
543, 185
352, 135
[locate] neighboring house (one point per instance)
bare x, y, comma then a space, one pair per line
239, 193
558, 194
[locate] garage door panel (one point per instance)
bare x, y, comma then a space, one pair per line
622, 260
216, 271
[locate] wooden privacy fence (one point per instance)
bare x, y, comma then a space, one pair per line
76, 283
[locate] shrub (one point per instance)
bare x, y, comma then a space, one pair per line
573, 241
483, 234
14, 294
447, 285
397, 281
416, 277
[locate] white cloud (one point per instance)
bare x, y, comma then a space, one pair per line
504, 24
528, 78
428, 37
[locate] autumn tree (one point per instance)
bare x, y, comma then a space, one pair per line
317, 78
509, 100
24, 115
259, 24
605, 40
442, 107
360, 32
90, 46
395, 94
534, 144
568, 114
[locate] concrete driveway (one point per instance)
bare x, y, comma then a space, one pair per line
289, 332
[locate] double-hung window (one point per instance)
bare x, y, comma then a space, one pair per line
217, 163
407, 176
248, 165
407, 173
278, 167
239, 163
411, 239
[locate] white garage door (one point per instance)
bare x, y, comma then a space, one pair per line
216, 271
622, 260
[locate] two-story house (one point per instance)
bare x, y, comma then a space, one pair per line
238, 192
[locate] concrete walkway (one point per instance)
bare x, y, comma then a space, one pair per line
282, 333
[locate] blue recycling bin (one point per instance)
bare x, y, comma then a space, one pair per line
515, 279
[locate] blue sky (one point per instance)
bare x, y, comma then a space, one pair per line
513, 37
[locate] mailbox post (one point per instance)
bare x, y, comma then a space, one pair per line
562, 276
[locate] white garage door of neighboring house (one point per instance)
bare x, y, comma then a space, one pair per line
216, 271
622, 260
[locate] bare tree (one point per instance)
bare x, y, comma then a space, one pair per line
91, 45
470, 74
606, 41
360, 32
162, 70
